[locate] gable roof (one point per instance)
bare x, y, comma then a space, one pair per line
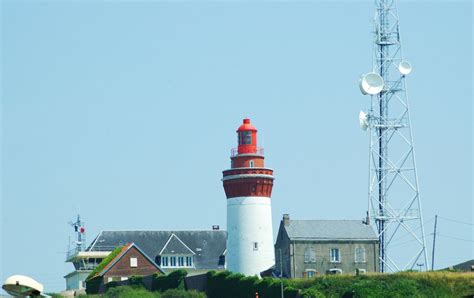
208, 246
122, 253
329, 230
174, 245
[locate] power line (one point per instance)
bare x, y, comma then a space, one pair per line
457, 221
455, 238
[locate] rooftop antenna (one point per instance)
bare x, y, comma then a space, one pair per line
80, 231
394, 201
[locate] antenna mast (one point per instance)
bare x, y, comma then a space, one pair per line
394, 200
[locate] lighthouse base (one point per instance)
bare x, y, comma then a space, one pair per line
249, 235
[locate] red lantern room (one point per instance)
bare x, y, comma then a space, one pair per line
247, 138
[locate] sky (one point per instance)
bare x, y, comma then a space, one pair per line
125, 113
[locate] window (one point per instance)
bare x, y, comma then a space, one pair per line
310, 273
189, 261
360, 255
245, 138
109, 279
335, 271
123, 278
334, 255
133, 262
309, 255
360, 271
172, 261
251, 163
255, 246
180, 261
164, 261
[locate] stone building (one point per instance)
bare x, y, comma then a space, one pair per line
311, 247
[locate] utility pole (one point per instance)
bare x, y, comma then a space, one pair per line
281, 275
434, 242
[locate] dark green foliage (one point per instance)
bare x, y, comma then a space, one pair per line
92, 285
112, 284
231, 285
175, 293
174, 280
130, 292
311, 293
135, 280
412, 284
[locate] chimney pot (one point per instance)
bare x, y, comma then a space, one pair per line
286, 219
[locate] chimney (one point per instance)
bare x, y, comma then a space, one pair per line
286, 219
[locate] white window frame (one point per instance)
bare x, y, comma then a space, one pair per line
332, 260
133, 262
164, 261
251, 163
181, 261
363, 255
309, 255
335, 270
189, 261
312, 271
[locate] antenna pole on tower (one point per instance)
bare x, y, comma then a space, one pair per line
394, 199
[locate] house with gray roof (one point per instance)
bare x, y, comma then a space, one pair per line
312, 247
194, 251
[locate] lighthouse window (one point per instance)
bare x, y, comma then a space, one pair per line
245, 138
255, 246
251, 163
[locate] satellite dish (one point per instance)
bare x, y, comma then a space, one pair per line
363, 121
404, 67
371, 83
20, 285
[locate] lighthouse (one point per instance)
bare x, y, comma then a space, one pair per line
248, 186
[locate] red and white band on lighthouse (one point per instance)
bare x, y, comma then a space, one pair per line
248, 186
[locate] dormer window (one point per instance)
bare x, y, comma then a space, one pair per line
177, 261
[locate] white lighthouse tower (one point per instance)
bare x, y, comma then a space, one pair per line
248, 187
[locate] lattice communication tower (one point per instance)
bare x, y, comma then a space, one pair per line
394, 204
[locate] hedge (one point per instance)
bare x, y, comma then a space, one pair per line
174, 280
234, 285
415, 284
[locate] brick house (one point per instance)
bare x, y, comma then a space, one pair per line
312, 247
130, 261
194, 251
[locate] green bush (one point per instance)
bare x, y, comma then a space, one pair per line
92, 285
311, 293
175, 293
130, 292
174, 280
135, 280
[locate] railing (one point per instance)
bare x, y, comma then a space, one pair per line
235, 152
71, 253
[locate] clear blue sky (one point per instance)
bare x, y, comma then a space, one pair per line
125, 112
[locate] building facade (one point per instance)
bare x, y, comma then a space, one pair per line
308, 248
194, 251
248, 186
